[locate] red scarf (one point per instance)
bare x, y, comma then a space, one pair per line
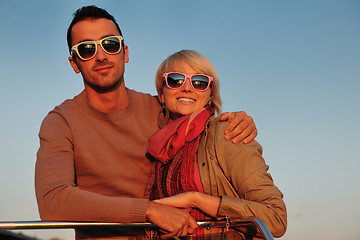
165, 143
175, 147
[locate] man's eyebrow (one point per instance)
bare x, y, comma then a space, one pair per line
90, 40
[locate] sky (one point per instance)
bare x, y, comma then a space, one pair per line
294, 66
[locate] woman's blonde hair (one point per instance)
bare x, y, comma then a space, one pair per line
200, 64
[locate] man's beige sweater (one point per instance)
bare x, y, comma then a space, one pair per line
91, 166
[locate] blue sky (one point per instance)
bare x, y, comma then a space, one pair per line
292, 65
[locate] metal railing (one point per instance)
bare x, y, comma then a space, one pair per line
249, 228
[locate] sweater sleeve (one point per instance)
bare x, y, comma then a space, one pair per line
58, 196
246, 169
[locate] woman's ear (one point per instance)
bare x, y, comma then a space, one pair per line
74, 65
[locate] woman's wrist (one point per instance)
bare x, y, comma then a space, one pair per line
207, 203
196, 199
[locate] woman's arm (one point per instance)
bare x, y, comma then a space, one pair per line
242, 181
207, 203
245, 169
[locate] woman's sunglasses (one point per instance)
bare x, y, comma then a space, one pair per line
87, 50
199, 82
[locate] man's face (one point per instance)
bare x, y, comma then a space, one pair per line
104, 72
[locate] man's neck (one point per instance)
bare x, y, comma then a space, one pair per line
109, 101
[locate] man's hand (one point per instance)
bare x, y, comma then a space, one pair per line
174, 221
241, 127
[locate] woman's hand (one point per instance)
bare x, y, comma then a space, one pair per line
206, 203
241, 127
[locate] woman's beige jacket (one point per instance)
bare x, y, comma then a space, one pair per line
238, 174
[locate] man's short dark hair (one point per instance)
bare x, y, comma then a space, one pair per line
89, 12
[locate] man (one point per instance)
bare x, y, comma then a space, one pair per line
91, 164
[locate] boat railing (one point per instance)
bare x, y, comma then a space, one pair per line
247, 228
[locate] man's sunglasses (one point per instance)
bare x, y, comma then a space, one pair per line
87, 50
199, 82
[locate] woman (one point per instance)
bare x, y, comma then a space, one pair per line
195, 166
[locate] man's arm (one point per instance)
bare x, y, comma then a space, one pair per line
241, 126
60, 199
58, 196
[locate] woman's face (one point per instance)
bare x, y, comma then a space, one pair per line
184, 100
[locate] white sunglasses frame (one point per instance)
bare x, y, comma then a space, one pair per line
98, 42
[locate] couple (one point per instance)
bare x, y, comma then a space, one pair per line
91, 164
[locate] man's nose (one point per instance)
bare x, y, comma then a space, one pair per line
100, 54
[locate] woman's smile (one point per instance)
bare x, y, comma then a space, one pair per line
184, 100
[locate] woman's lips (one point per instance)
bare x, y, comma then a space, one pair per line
186, 100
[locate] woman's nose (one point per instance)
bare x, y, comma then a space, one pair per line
187, 85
